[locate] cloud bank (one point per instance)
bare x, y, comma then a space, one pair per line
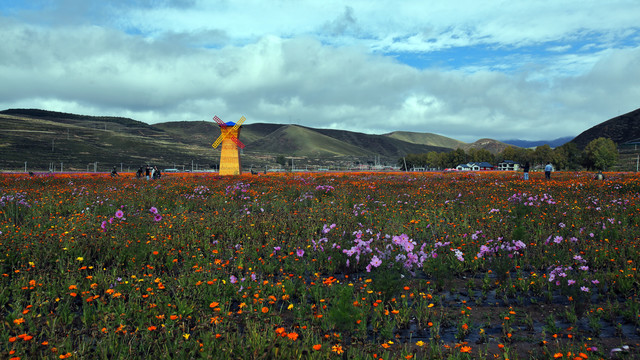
460, 69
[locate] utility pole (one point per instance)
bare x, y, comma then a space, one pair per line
120, 167
60, 166
25, 166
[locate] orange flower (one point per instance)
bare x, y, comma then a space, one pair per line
67, 355
293, 336
465, 327
337, 349
25, 337
214, 304
317, 347
18, 321
151, 328
465, 349
557, 355
265, 309
173, 317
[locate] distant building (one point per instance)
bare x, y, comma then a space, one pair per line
468, 167
475, 166
508, 165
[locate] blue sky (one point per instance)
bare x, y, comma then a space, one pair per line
463, 69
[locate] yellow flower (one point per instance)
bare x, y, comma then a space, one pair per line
80, 258
420, 343
290, 307
186, 336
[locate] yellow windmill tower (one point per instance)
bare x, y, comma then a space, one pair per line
229, 156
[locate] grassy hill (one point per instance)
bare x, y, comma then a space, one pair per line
620, 129
45, 139
426, 139
301, 141
493, 146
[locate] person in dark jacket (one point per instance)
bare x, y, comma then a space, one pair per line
525, 169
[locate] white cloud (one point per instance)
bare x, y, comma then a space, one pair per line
516, 70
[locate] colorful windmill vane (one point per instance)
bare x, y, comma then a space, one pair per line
229, 156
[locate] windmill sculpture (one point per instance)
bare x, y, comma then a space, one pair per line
229, 157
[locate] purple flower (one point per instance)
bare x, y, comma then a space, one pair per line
233, 279
375, 261
571, 282
300, 252
153, 210
157, 217
119, 214
584, 288
104, 225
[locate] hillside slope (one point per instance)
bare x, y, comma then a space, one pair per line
620, 129
297, 140
426, 139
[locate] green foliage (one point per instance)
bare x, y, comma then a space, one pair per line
343, 314
600, 154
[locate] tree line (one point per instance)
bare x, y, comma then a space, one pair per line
599, 154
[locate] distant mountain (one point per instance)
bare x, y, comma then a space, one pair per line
426, 139
620, 129
300, 141
531, 144
493, 146
45, 139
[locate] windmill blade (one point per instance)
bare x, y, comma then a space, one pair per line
218, 141
237, 125
235, 140
220, 122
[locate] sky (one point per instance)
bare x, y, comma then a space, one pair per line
466, 69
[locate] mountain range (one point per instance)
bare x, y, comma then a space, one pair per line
44, 139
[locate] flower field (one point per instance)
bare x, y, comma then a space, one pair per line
317, 266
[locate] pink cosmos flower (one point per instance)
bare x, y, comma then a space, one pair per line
119, 214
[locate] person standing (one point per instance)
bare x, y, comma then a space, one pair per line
525, 169
547, 171
147, 172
